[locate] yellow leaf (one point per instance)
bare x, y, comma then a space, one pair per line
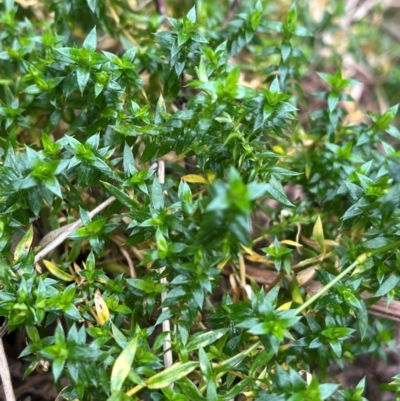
103, 314
285, 306
23, 246
258, 259
171, 374
290, 242
278, 149
210, 176
123, 365
308, 171
318, 233
195, 179
223, 262
247, 250
295, 291
55, 271
331, 242
76, 268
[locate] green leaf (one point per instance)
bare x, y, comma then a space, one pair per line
191, 15
141, 284
122, 365
201, 71
337, 333
162, 244
232, 81
171, 374
303, 32
8, 5
52, 184
157, 196
120, 195
58, 367
275, 191
387, 285
204, 339
191, 390
24, 245
149, 151
205, 365
93, 5
362, 320
82, 77
333, 99
129, 161
230, 363
318, 233
90, 42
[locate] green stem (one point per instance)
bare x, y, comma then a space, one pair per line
360, 259
134, 390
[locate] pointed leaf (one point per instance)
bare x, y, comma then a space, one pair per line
195, 179
53, 269
171, 375
24, 245
157, 196
122, 365
103, 314
318, 233
82, 77
90, 42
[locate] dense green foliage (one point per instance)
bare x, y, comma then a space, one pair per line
82, 120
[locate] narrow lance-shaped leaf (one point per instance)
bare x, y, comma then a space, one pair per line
103, 314
122, 365
318, 233
171, 375
90, 42
157, 197
53, 269
24, 245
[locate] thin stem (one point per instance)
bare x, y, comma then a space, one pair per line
323, 290
359, 260
134, 390
377, 251
278, 278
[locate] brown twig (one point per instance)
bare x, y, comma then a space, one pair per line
160, 7
277, 279
120, 243
34, 380
231, 12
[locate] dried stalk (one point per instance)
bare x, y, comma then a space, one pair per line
61, 234
4, 369
166, 324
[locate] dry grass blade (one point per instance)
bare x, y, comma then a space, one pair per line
69, 230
